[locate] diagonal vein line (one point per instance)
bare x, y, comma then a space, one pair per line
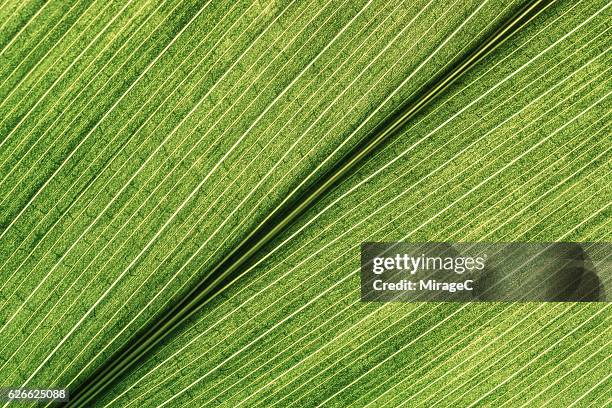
419, 390
81, 319
77, 217
57, 170
109, 179
455, 367
89, 311
74, 202
58, 79
312, 173
541, 354
110, 110
605, 360
400, 350
215, 346
23, 27
439, 378
124, 272
235, 62
496, 364
23, 59
556, 366
70, 87
405, 152
407, 379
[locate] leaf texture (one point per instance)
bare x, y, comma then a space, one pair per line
141, 141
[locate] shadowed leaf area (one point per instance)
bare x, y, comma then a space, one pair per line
141, 141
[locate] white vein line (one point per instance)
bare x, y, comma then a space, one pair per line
57, 80
556, 366
493, 68
298, 231
486, 237
557, 394
407, 345
234, 64
456, 366
119, 171
608, 401
95, 127
22, 28
159, 147
66, 108
514, 160
15, 10
549, 191
203, 245
225, 221
51, 293
607, 377
109, 241
262, 199
385, 101
297, 341
380, 170
232, 88
90, 226
457, 233
596, 402
503, 168
426, 116
538, 356
335, 327
49, 31
276, 325
399, 334
587, 200
58, 99
476, 209
236, 84
567, 190
470, 358
494, 366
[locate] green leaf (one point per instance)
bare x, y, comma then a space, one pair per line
142, 141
